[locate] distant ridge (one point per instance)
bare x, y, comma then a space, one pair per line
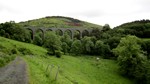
58, 22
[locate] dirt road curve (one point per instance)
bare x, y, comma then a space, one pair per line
14, 73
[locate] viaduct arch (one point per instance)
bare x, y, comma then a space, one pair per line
63, 30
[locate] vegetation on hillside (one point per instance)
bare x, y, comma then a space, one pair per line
72, 69
14, 31
132, 61
139, 28
58, 22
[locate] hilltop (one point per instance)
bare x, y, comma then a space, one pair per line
58, 22
139, 28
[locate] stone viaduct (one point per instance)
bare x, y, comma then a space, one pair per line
62, 30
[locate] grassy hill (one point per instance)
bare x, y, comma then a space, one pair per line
73, 69
59, 22
139, 28
138, 24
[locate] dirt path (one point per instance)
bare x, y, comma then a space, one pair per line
14, 73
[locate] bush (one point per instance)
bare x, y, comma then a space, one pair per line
131, 59
146, 47
50, 52
58, 54
14, 51
1, 46
102, 49
2, 62
5, 58
25, 51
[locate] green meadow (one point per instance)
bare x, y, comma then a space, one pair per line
42, 69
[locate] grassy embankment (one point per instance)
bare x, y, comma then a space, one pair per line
73, 70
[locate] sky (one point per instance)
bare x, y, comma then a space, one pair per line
101, 12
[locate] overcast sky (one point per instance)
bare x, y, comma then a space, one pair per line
112, 12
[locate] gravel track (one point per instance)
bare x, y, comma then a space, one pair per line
14, 73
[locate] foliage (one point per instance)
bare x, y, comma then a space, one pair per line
5, 58
38, 40
65, 47
14, 51
66, 43
76, 47
87, 45
145, 44
102, 49
139, 28
106, 27
25, 51
58, 54
52, 42
96, 32
131, 58
14, 31
113, 41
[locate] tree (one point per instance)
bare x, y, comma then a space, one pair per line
52, 42
76, 47
14, 31
131, 58
113, 41
65, 47
96, 32
88, 45
106, 27
146, 47
67, 39
102, 49
2, 32
38, 40
66, 43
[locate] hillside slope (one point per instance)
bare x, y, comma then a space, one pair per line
58, 22
139, 28
73, 70
9, 46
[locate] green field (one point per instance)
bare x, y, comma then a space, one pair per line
73, 69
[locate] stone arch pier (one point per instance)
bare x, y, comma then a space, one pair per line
63, 30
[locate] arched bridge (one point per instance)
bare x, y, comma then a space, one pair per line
63, 30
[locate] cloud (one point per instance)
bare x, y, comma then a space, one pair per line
145, 5
2, 7
113, 12
88, 13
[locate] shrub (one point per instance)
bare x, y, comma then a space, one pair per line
2, 61
146, 47
76, 47
131, 59
25, 51
5, 58
1, 46
58, 54
14, 51
50, 52
102, 49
